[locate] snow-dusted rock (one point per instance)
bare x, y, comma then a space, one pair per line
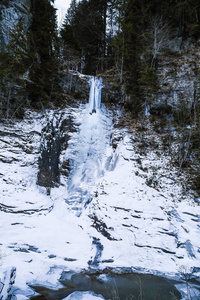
7, 279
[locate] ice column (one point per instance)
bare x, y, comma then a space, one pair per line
95, 94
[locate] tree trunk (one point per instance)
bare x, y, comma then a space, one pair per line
104, 29
122, 63
8, 103
184, 155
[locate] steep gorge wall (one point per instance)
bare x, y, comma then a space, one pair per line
78, 87
178, 79
12, 12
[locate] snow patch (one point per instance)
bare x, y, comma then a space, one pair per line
83, 296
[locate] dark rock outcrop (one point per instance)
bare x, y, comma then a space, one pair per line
54, 139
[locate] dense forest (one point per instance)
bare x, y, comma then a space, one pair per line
124, 36
124, 41
128, 36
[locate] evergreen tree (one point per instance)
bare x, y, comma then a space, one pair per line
71, 53
44, 81
71, 12
135, 22
85, 26
67, 30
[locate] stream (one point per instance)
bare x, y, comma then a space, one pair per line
113, 286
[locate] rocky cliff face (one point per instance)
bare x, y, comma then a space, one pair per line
76, 85
178, 80
11, 12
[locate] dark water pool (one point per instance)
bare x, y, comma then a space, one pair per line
113, 286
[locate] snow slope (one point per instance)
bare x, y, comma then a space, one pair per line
102, 215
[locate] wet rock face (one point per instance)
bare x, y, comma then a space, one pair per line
11, 12
79, 87
49, 174
54, 139
178, 81
76, 86
112, 91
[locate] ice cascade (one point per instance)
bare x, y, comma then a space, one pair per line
95, 93
87, 148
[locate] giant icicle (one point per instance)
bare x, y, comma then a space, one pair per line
95, 93
87, 149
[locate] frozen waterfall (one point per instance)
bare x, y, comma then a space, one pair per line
95, 93
87, 147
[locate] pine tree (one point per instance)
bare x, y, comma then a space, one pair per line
71, 12
85, 26
44, 85
67, 33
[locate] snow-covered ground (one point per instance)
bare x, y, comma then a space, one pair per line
120, 222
